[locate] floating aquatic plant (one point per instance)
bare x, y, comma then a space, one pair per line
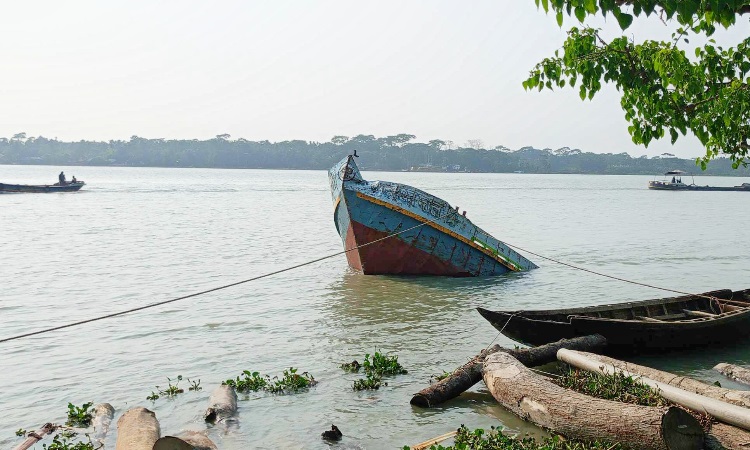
63, 441
290, 381
479, 439
375, 367
353, 366
80, 416
382, 364
174, 389
370, 382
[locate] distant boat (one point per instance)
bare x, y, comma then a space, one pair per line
649, 325
676, 184
434, 239
57, 187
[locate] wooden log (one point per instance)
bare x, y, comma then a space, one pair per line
103, 415
137, 429
470, 373
222, 405
35, 436
725, 412
738, 373
726, 437
740, 398
189, 440
575, 415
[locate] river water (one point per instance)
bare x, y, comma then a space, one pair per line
134, 236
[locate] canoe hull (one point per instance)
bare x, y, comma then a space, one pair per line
635, 327
390, 228
30, 188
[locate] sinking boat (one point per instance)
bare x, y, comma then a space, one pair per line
682, 322
676, 184
392, 228
57, 187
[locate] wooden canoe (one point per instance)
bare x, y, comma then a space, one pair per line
645, 326
38, 188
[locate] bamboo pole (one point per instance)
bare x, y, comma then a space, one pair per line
724, 412
436, 440
735, 397
36, 436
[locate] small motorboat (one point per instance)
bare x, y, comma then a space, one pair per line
57, 187
676, 184
647, 326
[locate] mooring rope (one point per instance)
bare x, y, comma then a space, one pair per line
610, 276
287, 269
276, 272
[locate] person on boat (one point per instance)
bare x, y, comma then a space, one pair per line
673, 180
61, 178
73, 180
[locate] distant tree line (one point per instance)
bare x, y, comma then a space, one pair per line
391, 153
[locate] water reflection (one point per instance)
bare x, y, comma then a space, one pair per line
406, 299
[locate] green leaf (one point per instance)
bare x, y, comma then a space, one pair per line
590, 6
624, 20
559, 17
580, 13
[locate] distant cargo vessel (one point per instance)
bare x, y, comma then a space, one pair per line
392, 228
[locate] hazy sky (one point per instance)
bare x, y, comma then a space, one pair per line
308, 70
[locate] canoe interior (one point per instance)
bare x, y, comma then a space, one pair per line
664, 309
646, 326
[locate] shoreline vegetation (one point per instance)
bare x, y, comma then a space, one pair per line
390, 153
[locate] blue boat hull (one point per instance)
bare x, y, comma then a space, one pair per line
30, 188
391, 228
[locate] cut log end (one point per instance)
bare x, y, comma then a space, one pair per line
681, 431
210, 415
420, 400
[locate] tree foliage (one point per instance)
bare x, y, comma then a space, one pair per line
381, 153
665, 89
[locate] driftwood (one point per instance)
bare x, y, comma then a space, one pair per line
222, 405
137, 429
36, 436
725, 412
726, 437
740, 398
103, 415
738, 373
189, 440
575, 415
470, 373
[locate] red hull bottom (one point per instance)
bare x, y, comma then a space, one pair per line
392, 256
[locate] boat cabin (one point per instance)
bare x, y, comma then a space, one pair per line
675, 182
